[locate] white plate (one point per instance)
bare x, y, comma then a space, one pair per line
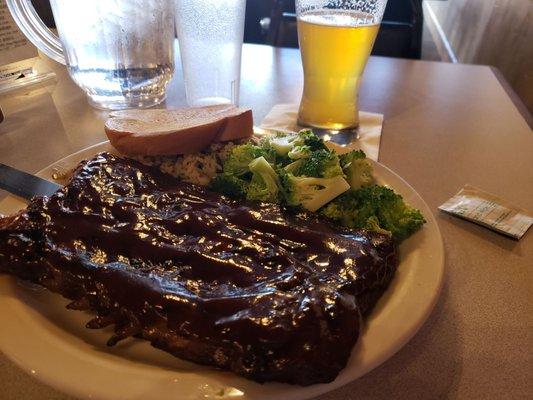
52, 344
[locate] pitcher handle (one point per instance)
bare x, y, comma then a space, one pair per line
35, 30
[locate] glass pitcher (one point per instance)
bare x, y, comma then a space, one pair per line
120, 52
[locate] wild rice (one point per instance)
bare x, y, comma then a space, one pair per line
197, 168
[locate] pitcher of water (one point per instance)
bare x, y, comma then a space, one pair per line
120, 52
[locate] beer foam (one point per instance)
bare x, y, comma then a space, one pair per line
341, 18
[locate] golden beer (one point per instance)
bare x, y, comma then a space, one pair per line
335, 45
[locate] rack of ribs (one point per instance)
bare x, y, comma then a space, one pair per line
268, 293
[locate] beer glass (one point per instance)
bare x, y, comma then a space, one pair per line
120, 52
336, 38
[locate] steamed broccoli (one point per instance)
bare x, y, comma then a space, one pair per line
357, 168
311, 193
375, 208
241, 156
229, 185
292, 167
319, 164
300, 171
308, 138
372, 224
347, 210
298, 152
282, 144
264, 185
395, 216
285, 144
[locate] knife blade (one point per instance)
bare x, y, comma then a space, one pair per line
25, 185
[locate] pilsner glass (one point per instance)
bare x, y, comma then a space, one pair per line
336, 38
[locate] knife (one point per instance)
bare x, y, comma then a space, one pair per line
25, 185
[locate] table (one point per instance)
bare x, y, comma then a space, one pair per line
445, 125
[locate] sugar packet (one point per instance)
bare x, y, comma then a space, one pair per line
489, 211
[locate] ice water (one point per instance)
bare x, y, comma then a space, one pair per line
210, 34
119, 51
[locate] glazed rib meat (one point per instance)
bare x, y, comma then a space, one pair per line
252, 288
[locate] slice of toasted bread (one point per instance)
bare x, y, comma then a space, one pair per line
179, 131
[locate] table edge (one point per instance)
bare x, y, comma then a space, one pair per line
517, 101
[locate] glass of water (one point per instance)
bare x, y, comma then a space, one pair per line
120, 52
210, 35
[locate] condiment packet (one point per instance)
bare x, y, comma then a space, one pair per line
489, 211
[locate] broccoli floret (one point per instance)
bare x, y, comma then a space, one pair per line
292, 167
375, 208
311, 193
349, 211
229, 185
298, 152
293, 145
393, 214
241, 156
345, 209
346, 158
372, 224
308, 138
319, 164
282, 144
277, 147
265, 183
357, 169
